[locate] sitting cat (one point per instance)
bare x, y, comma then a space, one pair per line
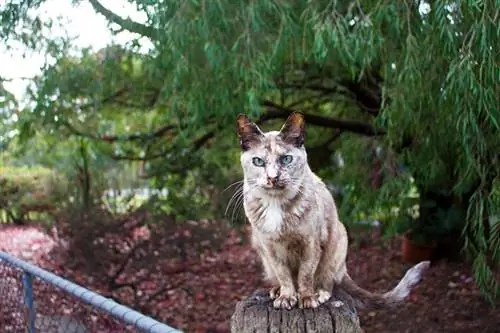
295, 225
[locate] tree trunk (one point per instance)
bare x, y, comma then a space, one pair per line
257, 315
84, 175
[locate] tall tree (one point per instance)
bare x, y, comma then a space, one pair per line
421, 79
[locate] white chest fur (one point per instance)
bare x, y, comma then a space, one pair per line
272, 217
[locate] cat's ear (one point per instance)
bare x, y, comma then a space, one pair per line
249, 133
292, 132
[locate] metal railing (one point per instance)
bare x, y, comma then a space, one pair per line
63, 307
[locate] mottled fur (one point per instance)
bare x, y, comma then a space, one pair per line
295, 225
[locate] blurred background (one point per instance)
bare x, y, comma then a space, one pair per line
119, 160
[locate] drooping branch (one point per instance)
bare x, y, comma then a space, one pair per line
131, 137
309, 86
272, 111
202, 140
365, 91
124, 23
275, 111
197, 144
368, 96
112, 98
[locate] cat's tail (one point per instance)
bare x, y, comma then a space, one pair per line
367, 299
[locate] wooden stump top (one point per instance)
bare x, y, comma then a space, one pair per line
257, 315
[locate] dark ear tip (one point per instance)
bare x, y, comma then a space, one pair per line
296, 118
297, 114
241, 118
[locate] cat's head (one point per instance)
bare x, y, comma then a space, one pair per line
274, 161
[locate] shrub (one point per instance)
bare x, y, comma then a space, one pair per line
29, 189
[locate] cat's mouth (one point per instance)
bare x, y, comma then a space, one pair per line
275, 187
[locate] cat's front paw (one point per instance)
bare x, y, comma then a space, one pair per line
285, 302
323, 296
308, 302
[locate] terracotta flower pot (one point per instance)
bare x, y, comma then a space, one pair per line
414, 253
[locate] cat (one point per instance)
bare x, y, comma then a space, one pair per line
294, 221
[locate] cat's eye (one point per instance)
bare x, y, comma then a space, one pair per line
286, 159
257, 161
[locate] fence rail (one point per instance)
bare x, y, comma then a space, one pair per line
21, 313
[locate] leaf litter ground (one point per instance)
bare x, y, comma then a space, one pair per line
195, 289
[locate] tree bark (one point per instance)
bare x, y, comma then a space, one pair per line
124, 23
257, 315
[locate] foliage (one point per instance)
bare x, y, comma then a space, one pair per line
416, 80
7, 104
443, 224
23, 189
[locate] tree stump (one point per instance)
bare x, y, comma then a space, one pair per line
257, 315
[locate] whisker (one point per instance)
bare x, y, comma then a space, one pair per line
237, 199
233, 197
236, 207
237, 211
233, 184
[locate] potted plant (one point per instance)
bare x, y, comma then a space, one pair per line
418, 244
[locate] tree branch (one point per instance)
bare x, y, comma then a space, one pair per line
108, 99
124, 23
368, 97
131, 137
112, 284
309, 86
275, 111
365, 90
366, 94
160, 291
199, 142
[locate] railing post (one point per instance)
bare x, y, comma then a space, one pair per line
29, 309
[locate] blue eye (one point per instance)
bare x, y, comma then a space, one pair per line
257, 161
286, 159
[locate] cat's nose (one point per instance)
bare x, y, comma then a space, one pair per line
272, 180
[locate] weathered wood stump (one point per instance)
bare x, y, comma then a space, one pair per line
257, 315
